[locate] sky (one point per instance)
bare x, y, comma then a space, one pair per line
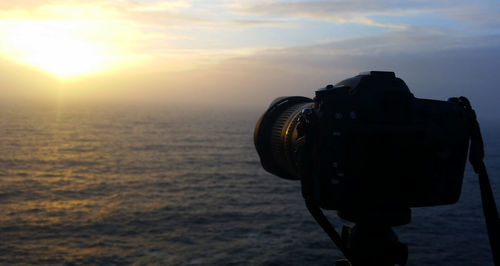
244, 53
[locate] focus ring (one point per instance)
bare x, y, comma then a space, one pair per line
280, 141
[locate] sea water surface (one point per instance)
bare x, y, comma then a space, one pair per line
172, 186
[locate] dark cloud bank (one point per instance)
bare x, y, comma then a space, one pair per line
432, 68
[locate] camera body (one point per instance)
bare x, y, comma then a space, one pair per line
367, 144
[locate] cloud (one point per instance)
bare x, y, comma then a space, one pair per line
252, 13
433, 66
481, 15
170, 6
342, 11
146, 13
362, 12
157, 27
124, 32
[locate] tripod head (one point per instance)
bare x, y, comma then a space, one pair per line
374, 244
371, 241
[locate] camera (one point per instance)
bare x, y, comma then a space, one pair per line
369, 149
366, 145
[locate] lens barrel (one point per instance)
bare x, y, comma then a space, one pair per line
274, 138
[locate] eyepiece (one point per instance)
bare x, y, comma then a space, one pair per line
274, 138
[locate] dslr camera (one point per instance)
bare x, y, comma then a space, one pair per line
366, 145
369, 149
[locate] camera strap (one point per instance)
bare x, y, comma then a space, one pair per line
321, 219
476, 155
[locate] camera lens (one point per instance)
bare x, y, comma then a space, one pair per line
275, 136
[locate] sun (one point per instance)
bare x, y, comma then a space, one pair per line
55, 47
64, 56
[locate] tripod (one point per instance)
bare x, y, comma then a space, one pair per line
371, 241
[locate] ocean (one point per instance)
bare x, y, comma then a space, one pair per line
141, 185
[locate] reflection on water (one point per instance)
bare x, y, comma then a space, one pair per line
153, 185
